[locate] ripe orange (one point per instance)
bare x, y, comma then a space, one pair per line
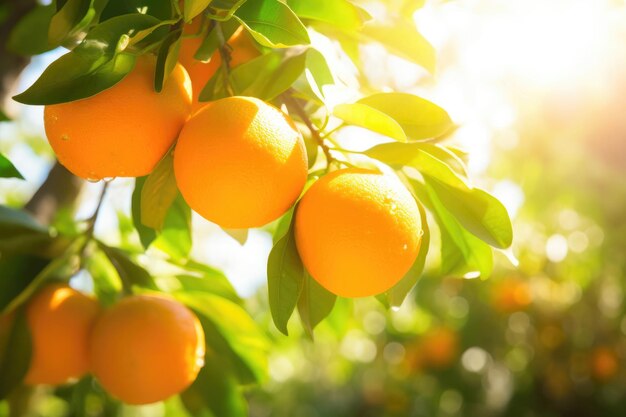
60, 320
511, 295
242, 50
439, 347
123, 131
240, 162
146, 348
358, 231
604, 363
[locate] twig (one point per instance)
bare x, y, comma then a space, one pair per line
91, 222
295, 105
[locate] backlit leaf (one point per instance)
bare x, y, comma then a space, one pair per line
398, 292
315, 304
95, 65
158, 193
403, 39
369, 118
285, 279
340, 13
272, 23
419, 118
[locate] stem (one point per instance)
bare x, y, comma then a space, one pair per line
225, 50
91, 222
297, 107
333, 130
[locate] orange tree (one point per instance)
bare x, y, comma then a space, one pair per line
228, 108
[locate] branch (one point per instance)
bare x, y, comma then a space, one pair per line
297, 107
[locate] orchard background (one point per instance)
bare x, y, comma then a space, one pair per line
533, 96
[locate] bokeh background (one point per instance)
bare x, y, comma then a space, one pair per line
538, 89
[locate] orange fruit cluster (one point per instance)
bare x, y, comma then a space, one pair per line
143, 349
241, 162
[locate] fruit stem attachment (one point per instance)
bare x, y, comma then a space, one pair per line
225, 50
297, 107
91, 222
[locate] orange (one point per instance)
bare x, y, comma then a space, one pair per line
240, 162
146, 348
439, 347
60, 320
511, 295
242, 50
358, 231
604, 363
124, 130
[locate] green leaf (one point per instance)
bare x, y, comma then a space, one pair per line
69, 21
62, 267
159, 9
30, 35
240, 235
272, 23
20, 233
462, 254
272, 79
130, 272
223, 10
318, 73
213, 280
146, 234
477, 211
241, 332
7, 169
339, 13
402, 38
193, 8
285, 279
216, 389
17, 274
264, 77
93, 66
399, 155
419, 118
315, 304
158, 193
215, 283
4, 117
106, 280
398, 292
167, 58
446, 155
15, 352
369, 118
175, 238
211, 42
